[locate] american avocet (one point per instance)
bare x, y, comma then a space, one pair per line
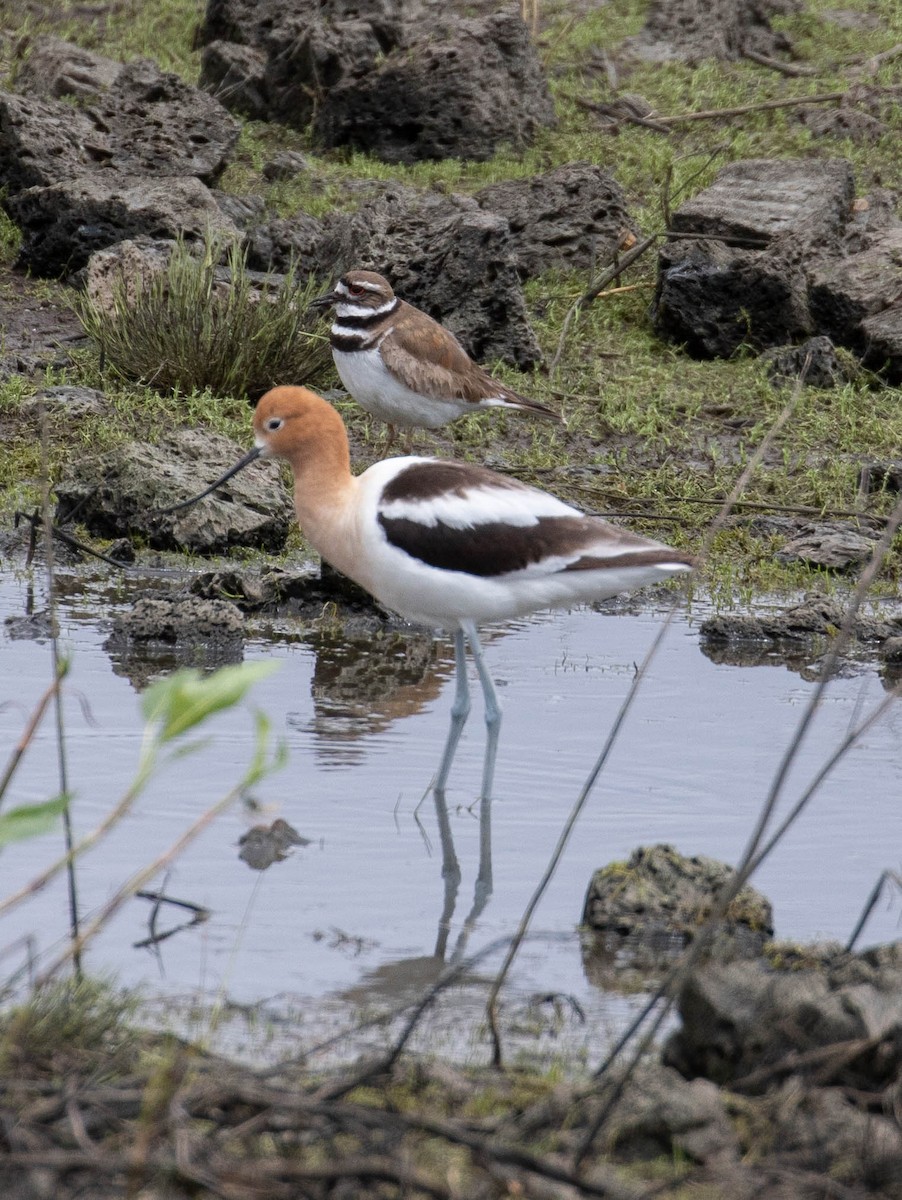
443, 543
404, 367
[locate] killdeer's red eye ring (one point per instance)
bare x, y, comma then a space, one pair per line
355, 289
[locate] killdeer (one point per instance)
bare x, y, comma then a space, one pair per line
401, 365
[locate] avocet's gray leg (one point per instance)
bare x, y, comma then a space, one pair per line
450, 874
460, 710
492, 709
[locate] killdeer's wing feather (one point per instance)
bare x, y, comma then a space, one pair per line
461, 517
430, 360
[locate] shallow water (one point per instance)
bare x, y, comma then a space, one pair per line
355, 917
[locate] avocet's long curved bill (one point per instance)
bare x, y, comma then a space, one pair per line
239, 466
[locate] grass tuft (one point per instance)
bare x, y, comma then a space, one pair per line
195, 326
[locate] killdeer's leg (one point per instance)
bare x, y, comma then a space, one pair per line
460, 710
492, 709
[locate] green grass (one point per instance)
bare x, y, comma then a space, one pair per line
650, 432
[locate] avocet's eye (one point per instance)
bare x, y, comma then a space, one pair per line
273, 424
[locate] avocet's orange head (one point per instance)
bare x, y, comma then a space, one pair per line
290, 421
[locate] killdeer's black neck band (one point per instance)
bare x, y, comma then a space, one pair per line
351, 341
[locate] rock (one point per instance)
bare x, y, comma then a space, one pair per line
243, 211
817, 358
64, 224
660, 896
179, 619
45, 141
874, 477
309, 57
713, 300
756, 201
287, 164
882, 335
236, 76
694, 30
54, 68
891, 650
133, 263
744, 1021
116, 493
570, 218
147, 123
781, 216
462, 95
65, 401
660, 1113
160, 634
829, 544
264, 845
846, 121
446, 256
822, 1130
846, 290
277, 243
815, 616
245, 21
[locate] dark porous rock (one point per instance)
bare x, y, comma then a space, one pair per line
694, 30
54, 68
45, 141
67, 401
243, 211
882, 336
713, 299
875, 477
743, 276
661, 1113
264, 845
287, 164
745, 1022
660, 895
571, 217
161, 634
824, 1132
148, 122
160, 125
463, 94
845, 121
245, 21
31, 627
117, 493
832, 544
180, 618
816, 616
283, 591
815, 362
446, 256
310, 58
63, 225
279, 243
891, 651
846, 290
236, 76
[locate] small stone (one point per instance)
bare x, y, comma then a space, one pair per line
286, 165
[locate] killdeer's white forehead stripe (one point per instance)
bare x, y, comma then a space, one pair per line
350, 308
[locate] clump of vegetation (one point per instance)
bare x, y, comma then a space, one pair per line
200, 325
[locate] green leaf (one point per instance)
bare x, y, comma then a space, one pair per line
31, 819
181, 701
261, 764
